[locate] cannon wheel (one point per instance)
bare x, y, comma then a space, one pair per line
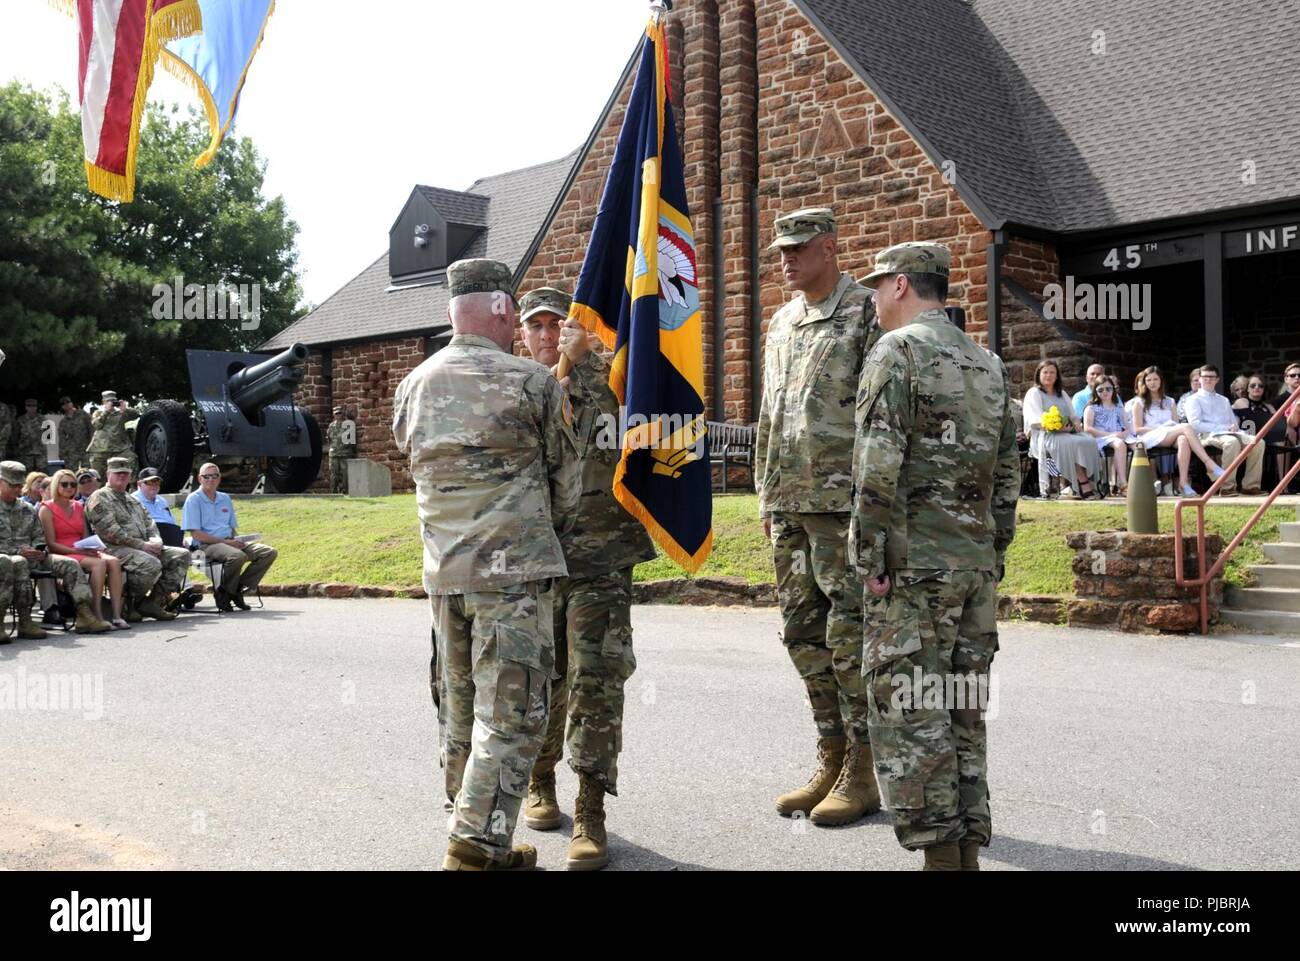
293, 475
164, 440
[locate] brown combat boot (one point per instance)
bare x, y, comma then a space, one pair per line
129, 613
830, 758
88, 623
855, 793
542, 810
28, 629
970, 855
462, 856
589, 849
151, 607
943, 857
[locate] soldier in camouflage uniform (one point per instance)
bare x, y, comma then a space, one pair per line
20, 532
29, 444
593, 605
74, 435
6, 427
936, 474
497, 475
153, 571
343, 444
804, 449
110, 438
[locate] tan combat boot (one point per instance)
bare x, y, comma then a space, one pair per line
88, 623
855, 793
151, 606
830, 758
462, 856
542, 810
129, 613
28, 629
589, 849
970, 855
943, 857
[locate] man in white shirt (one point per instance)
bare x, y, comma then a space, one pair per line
1212, 417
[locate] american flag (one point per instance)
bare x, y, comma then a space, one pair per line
119, 44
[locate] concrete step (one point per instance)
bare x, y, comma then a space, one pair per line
1276, 575
1269, 622
1262, 599
1283, 553
1290, 533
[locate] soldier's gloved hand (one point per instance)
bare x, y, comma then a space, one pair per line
573, 341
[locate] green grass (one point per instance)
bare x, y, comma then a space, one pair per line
376, 542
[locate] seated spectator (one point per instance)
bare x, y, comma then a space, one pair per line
63, 519
154, 571
22, 552
1066, 452
1103, 418
1194, 378
209, 516
1238, 389
1083, 397
1210, 414
1290, 409
147, 486
36, 488
1253, 412
1155, 426
87, 483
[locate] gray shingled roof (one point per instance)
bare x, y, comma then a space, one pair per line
515, 207
1047, 133
457, 206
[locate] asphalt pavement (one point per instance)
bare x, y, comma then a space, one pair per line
303, 736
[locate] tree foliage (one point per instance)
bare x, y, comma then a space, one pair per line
78, 304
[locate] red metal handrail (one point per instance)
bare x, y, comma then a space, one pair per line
1203, 582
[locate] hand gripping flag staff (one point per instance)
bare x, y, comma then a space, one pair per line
208, 44
639, 293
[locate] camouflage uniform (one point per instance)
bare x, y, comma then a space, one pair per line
497, 474
593, 605
340, 452
6, 427
74, 439
123, 524
936, 474
804, 449
29, 446
110, 438
20, 527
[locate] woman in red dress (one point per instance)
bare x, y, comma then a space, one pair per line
64, 520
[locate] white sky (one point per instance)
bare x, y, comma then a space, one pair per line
351, 105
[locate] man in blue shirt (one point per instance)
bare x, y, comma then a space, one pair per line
147, 485
209, 516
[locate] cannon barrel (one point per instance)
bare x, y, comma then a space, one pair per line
252, 388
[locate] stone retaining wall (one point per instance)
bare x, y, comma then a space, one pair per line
1126, 581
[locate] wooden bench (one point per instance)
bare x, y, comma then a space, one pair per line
732, 445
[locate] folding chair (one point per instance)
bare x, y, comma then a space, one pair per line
200, 562
62, 603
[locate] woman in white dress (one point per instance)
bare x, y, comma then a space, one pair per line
1068, 452
1156, 424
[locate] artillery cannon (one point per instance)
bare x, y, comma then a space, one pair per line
243, 409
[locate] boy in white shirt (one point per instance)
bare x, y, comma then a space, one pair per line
1212, 417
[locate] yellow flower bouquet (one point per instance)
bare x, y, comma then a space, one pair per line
1052, 419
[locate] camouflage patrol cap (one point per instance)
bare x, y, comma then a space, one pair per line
13, 472
479, 276
799, 227
544, 300
65, 399
108, 395
119, 465
912, 257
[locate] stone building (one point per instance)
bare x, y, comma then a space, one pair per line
1140, 159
